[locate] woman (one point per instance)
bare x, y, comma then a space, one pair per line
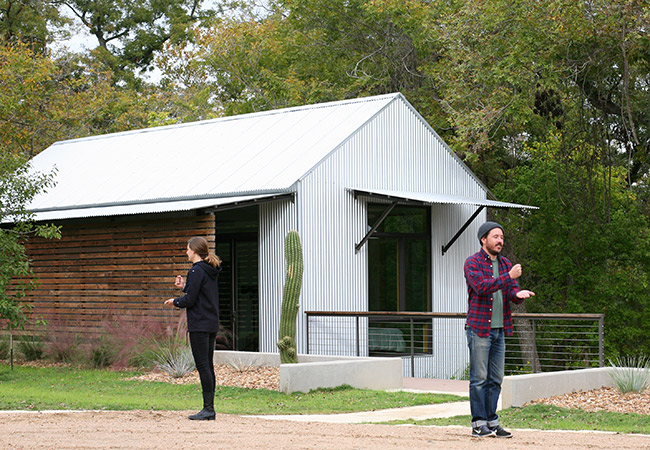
201, 301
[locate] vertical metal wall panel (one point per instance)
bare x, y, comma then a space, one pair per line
396, 150
276, 219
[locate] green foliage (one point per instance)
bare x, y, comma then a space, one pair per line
586, 250
17, 187
31, 347
129, 33
290, 297
27, 22
306, 51
5, 347
517, 69
103, 353
631, 374
47, 98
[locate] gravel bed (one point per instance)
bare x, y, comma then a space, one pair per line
252, 377
603, 399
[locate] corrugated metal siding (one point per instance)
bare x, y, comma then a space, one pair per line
397, 151
276, 219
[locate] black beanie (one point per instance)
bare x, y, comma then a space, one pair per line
485, 229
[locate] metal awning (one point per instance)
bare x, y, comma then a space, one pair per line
207, 204
426, 198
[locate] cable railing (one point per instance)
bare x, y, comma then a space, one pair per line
433, 345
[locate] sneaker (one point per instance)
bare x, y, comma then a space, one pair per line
500, 432
482, 431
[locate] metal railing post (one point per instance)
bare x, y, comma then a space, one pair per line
412, 349
601, 345
357, 332
534, 352
307, 337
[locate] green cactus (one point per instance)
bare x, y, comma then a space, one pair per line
290, 296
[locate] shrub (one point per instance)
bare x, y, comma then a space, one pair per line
103, 354
176, 361
172, 354
31, 347
631, 374
4, 347
126, 340
63, 345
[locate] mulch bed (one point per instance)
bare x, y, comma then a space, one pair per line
252, 377
603, 399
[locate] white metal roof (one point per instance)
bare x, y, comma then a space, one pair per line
153, 207
431, 198
247, 155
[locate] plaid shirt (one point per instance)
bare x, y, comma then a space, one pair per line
480, 286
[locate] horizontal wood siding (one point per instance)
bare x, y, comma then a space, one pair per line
117, 271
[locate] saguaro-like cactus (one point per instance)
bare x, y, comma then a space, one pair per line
290, 296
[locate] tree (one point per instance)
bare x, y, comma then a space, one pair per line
303, 51
17, 187
587, 249
129, 33
513, 71
45, 100
27, 21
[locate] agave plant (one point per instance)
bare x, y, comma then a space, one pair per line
631, 374
176, 361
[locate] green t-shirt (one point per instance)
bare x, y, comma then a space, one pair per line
497, 299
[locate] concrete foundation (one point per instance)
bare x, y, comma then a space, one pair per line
315, 371
517, 390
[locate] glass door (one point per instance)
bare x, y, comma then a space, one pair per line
237, 247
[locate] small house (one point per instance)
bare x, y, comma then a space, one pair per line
386, 212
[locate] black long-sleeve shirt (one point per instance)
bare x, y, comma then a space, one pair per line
201, 299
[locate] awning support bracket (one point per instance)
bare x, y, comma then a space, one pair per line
463, 228
375, 226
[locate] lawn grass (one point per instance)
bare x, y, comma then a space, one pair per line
545, 417
43, 388
66, 388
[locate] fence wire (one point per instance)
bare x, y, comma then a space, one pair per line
433, 345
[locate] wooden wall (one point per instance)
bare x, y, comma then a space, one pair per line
118, 270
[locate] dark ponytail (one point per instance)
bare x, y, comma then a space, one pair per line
199, 245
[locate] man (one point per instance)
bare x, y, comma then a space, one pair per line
491, 285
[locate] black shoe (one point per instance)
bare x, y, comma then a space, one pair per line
204, 414
482, 431
500, 432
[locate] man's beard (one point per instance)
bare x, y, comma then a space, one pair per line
494, 251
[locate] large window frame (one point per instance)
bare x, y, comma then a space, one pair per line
402, 238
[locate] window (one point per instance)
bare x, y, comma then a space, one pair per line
399, 255
399, 264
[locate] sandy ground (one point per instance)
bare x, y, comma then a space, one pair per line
139, 430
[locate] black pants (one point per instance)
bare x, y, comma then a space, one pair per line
203, 351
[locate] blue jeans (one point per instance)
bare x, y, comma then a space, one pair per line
486, 368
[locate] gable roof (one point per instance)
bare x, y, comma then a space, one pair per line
240, 156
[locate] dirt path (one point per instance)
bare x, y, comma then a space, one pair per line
140, 430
